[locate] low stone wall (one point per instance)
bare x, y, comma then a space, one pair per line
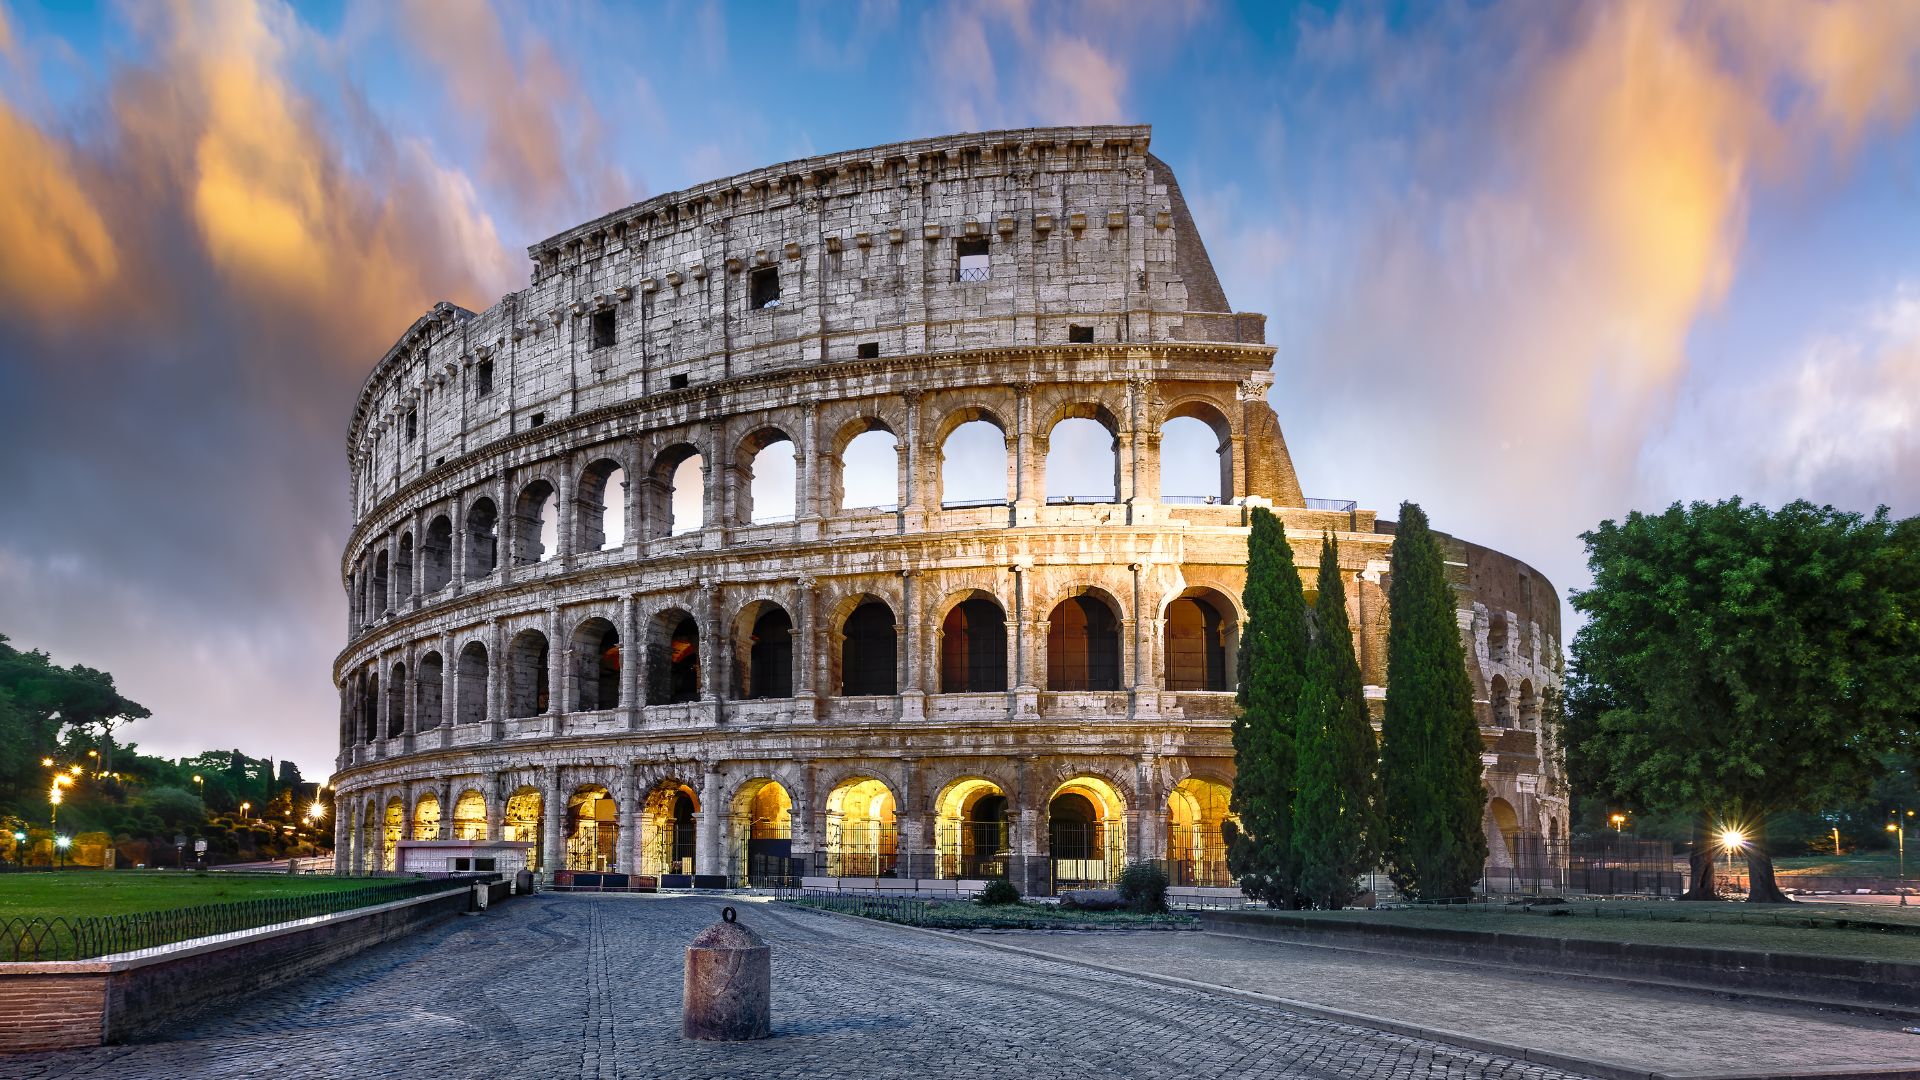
69, 1004
1837, 979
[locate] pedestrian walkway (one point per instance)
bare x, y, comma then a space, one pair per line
1638, 1028
589, 986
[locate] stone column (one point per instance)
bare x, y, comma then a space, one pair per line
496, 807
708, 858
632, 490
913, 697
559, 651
508, 515
632, 658
1145, 696
1026, 688
566, 514
1027, 495
458, 579
626, 854
417, 569
1029, 869
553, 830
446, 809
719, 488
1150, 814
805, 620
496, 681
913, 515
806, 477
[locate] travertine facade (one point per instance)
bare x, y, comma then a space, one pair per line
543, 646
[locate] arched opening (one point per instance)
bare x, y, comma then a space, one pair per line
596, 658
763, 651
1086, 833
397, 702
676, 494
1202, 637
762, 828
973, 464
600, 507
1083, 459
1196, 842
1083, 645
973, 835
370, 705
973, 647
521, 821
472, 706
393, 829
869, 476
869, 651
379, 585
426, 817
1497, 637
673, 659
1196, 456
1529, 707
426, 694
862, 839
769, 467
536, 524
527, 675
1506, 826
1502, 704
437, 552
483, 540
403, 567
667, 829
593, 830
470, 816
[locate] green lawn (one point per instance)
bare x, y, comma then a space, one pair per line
118, 892
967, 915
1872, 864
1860, 932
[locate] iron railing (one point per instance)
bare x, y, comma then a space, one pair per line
1101, 498
82, 937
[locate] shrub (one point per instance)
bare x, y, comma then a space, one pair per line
999, 891
1092, 900
1143, 885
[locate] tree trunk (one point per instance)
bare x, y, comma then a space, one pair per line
1761, 886
1700, 864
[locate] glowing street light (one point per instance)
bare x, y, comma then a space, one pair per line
1900, 831
244, 807
61, 843
1619, 822
46, 762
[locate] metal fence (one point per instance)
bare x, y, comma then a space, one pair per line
1605, 866
81, 937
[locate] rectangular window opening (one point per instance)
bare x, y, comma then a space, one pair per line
868, 350
413, 424
1079, 335
603, 329
538, 419
483, 377
677, 382
763, 287
974, 264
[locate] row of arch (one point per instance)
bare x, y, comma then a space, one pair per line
975, 447
1503, 704
1084, 650
974, 834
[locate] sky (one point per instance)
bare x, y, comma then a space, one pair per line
1529, 265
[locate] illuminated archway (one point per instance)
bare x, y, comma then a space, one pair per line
862, 839
426, 817
470, 816
667, 833
1086, 832
1196, 846
593, 829
973, 835
522, 821
395, 826
761, 823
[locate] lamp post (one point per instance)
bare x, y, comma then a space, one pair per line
1619, 822
60, 844
54, 795
244, 807
1899, 829
1730, 841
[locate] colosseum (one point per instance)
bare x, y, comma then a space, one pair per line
812, 524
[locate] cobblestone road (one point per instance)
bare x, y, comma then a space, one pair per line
590, 987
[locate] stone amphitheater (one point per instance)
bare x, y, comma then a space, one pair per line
812, 524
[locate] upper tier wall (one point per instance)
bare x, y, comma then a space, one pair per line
1081, 228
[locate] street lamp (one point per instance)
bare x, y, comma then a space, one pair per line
1900, 831
60, 843
244, 807
1619, 822
1731, 839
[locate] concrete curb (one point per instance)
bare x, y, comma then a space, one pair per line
1534, 1054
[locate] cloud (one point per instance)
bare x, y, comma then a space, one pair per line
542, 134
43, 211
1840, 422
1532, 217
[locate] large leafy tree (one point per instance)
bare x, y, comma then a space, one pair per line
1335, 789
1432, 794
48, 710
1738, 663
1272, 664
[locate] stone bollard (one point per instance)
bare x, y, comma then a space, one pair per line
523, 882
729, 984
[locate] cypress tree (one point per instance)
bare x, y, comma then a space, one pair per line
1433, 794
1334, 790
1272, 664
